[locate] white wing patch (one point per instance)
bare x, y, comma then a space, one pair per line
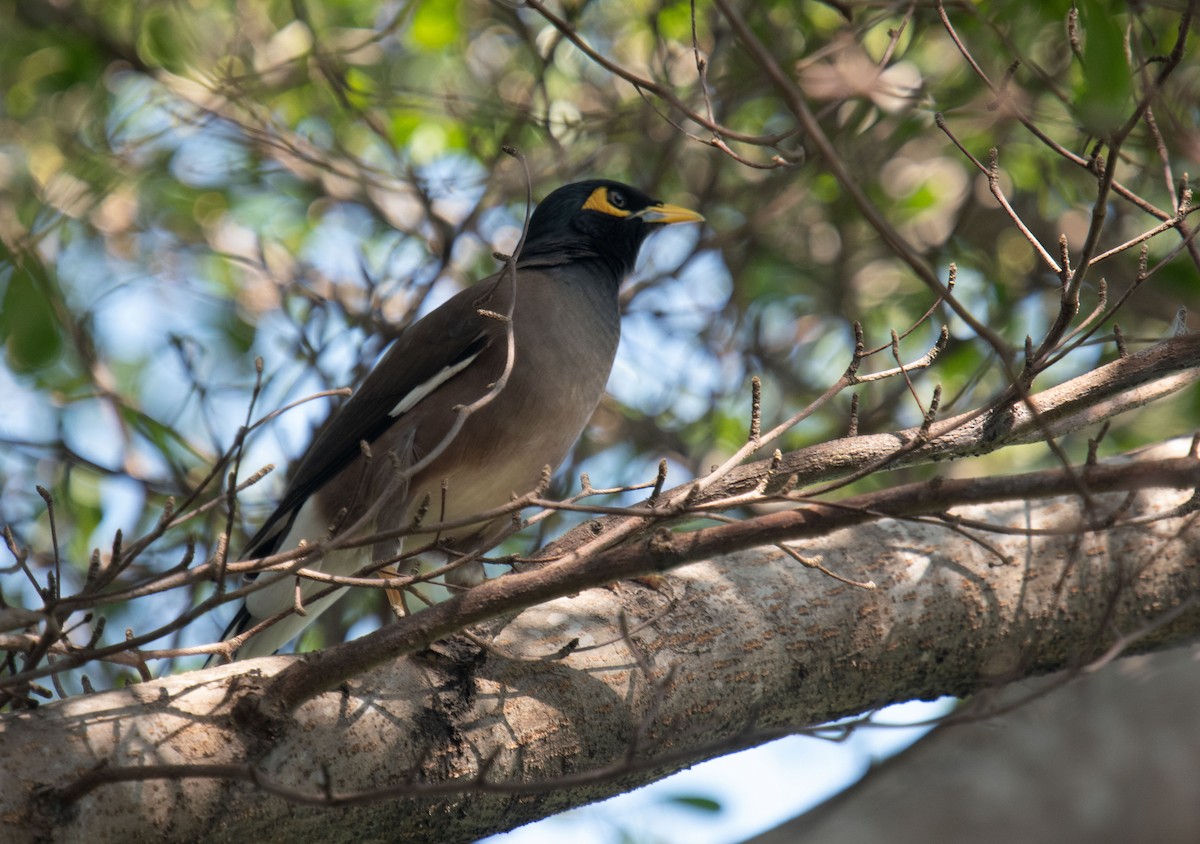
422, 390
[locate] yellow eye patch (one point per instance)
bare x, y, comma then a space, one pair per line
598, 201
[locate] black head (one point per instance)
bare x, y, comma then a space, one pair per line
597, 220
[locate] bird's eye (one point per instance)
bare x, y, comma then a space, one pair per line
616, 199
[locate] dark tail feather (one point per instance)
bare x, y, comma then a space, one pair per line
240, 623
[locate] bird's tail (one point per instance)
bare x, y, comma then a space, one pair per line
240, 623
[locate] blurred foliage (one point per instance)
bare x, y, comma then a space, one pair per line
186, 186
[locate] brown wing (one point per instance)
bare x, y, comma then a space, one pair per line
450, 334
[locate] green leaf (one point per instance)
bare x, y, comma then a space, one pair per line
697, 802
435, 25
675, 20
1105, 92
169, 442
159, 39
29, 328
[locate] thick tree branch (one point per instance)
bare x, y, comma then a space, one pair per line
749, 646
1117, 387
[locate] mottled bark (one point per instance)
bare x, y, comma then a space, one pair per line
726, 653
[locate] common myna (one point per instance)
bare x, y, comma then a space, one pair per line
467, 407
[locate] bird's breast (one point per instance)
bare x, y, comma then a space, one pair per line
564, 342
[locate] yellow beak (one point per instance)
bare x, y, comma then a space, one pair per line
668, 214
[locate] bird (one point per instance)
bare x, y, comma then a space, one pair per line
528, 350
